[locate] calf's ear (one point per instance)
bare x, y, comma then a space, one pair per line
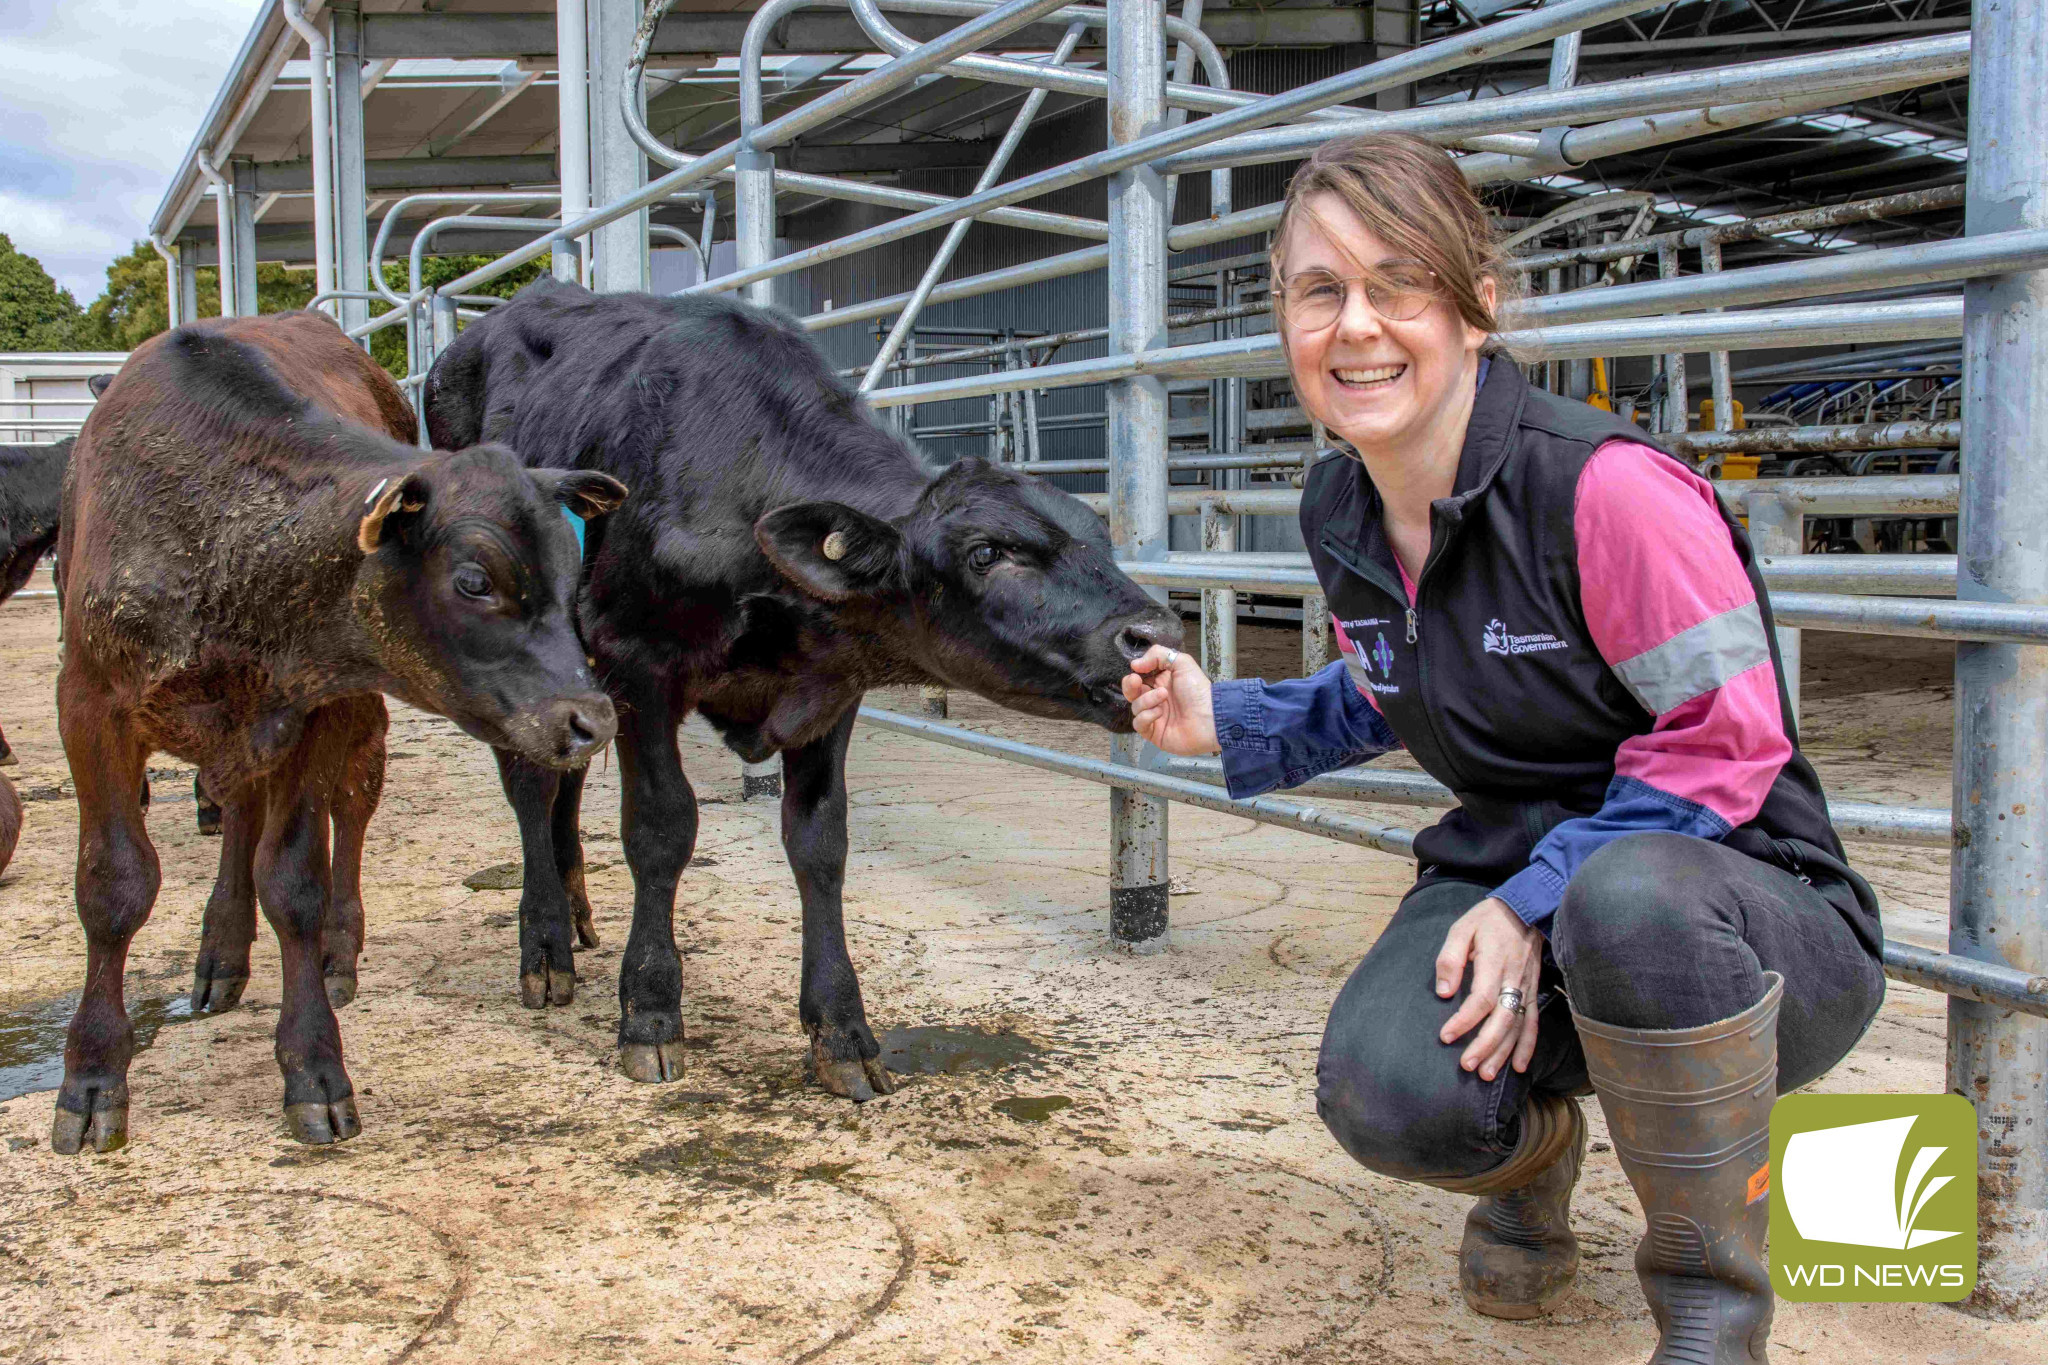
391, 509
585, 492
830, 550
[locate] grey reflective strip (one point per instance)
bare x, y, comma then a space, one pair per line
1697, 660
1356, 668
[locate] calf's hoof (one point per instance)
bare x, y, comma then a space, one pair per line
652, 1063
547, 985
340, 988
7, 758
216, 994
859, 1079
98, 1117
318, 1123
586, 928
209, 819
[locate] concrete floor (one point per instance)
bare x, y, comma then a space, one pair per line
1149, 1183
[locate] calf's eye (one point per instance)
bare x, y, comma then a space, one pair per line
472, 581
982, 558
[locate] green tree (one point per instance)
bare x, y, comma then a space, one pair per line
35, 315
387, 347
134, 305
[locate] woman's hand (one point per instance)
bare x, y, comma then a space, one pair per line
1503, 952
1170, 702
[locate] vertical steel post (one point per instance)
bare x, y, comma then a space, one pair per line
572, 115
243, 175
1675, 416
320, 146
1219, 605
754, 219
1717, 361
761, 781
1998, 880
1138, 219
1315, 635
1777, 529
351, 183
442, 333
188, 287
617, 165
223, 231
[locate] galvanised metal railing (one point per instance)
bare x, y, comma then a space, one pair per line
1999, 615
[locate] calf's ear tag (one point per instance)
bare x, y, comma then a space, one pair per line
835, 545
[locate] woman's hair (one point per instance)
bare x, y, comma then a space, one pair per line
1410, 193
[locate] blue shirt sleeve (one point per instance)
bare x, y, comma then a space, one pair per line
1632, 807
1280, 734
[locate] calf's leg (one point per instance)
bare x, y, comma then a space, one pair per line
10, 821
7, 758
568, 839
221, 973
355, 801
659, 828
547, 963
844, 1054
209, 813
294, 886
116, 886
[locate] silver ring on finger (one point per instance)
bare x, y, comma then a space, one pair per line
1511, 1001
1171, 656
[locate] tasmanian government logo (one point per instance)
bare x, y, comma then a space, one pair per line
1383, 655
1496, 640
1873, 1198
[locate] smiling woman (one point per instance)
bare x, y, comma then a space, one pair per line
1562, 626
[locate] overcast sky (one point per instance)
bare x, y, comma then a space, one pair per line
98, 100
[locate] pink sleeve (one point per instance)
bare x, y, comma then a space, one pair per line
1673, 613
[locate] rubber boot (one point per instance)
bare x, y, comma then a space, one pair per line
1519, 1257
1690, 1112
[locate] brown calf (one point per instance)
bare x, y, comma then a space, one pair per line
250, 555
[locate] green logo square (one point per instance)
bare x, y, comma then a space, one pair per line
1873, 1198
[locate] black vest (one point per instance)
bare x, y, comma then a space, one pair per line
1492, 679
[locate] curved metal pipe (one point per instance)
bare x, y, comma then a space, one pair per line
1189, 34
1179, 29
572, 144
1010, 71
629, 90
397, 210
323, 175
943, 257
1217, 97
173, 301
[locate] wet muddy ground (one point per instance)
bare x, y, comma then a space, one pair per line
1092, 1157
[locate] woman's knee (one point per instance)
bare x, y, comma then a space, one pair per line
1641, 893
1394, 1096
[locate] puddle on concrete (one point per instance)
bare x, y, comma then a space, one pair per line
1032, 1108
32, 1040
942, 1051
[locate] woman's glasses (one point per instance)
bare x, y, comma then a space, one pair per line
1314, 299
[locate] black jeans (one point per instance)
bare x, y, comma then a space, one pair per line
1656, 931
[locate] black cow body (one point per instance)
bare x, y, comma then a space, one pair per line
31, 487
781, 555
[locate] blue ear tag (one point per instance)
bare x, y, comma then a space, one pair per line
576, 525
